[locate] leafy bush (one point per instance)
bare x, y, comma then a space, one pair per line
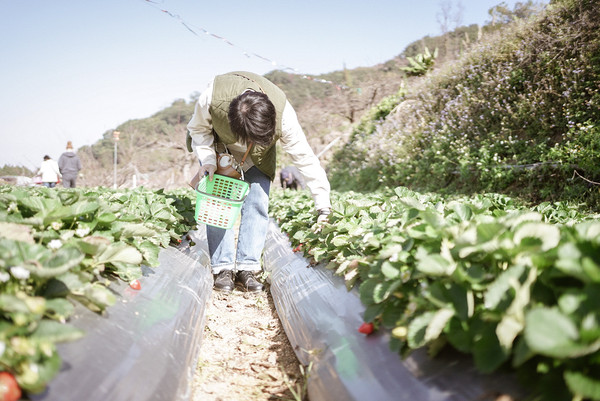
356, 162
422, 63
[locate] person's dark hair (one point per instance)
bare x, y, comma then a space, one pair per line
46, 157
252, 118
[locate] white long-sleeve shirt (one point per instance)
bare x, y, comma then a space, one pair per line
49, 171
293, 142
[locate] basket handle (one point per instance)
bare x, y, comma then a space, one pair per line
195, 181
244, 159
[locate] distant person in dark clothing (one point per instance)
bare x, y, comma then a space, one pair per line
69, 165
291, 178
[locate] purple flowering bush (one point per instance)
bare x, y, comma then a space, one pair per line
519, 113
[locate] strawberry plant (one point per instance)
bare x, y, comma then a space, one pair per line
59, 246
511, 285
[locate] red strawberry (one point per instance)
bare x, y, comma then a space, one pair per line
9, 389
366, 328
135, 284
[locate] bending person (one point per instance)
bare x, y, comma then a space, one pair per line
242, 110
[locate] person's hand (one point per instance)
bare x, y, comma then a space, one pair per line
208, 169
322, 218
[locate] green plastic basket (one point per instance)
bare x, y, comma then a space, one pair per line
219, 202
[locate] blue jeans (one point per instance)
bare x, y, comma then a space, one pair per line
254, 222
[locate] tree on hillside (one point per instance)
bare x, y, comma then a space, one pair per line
448, 18
502, 14
354, 100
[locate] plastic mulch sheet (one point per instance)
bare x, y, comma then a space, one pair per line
321, 319
146, 346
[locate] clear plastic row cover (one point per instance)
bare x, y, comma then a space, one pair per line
321, 319
145, 347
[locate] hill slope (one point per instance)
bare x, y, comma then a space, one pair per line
151, 149
518, 113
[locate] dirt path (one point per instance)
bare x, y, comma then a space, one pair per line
245, 354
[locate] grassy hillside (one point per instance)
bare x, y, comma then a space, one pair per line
518, 113
151, 149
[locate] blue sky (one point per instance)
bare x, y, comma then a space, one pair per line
72, 70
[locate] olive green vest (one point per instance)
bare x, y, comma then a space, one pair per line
227, 87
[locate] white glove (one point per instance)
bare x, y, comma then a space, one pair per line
322, 218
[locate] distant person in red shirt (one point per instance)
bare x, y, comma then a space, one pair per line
69, 165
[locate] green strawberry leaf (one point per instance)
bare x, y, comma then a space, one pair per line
549, 332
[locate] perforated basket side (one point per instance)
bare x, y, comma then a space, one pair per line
219, 202
217, 212
226, 187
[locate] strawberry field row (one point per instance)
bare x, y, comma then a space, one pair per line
59, 246
514, 286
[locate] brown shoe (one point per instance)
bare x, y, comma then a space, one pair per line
248, 281
224, 281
